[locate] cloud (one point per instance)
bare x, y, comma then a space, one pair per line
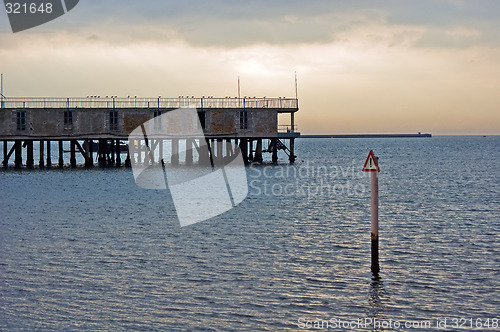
406, 65
230, 23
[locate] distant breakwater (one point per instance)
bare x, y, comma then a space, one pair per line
419, 135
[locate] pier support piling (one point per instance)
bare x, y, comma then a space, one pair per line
49, 159
220, 154
258, 152
30, 160
118, 154
292, 151
250, 154
244, 150
88, 155
73, 154
128, 163
108, 152
42, 150
274, 147
18, 161
175, 152
102, 153
229, 148
189, 152
203, 154
5, 154
91, 152
161, 152
112, 159
210, 149
61, 158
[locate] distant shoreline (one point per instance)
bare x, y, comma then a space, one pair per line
370, 136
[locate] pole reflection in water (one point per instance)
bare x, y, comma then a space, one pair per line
377, 303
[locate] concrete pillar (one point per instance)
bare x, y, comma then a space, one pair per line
108, 151
128, 162
229, 148
292, 150
140, 148
250, 149
118, 153
175, 151
220, 153
204, 153
102, 153
212, 150
61, 152
244, 149
85, 147
131, 152
30, 160
91, 153
150, 153
42, 150
258, 152
49, 158
88, 156
18, 161
274, 146
189, 152
72, 159
5, 154
162, 161
112, 153
17, 155
144, 149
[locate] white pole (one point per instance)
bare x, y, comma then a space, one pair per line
296, 87
239, 92
239, 88
1, 91
374, 222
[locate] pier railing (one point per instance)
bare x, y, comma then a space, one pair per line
287, 129
149, 103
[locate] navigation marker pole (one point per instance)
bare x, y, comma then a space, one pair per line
371, 165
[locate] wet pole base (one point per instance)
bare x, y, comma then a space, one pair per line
375, 264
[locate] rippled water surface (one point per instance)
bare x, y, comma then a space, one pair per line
89, 250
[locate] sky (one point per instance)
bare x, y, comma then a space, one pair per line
392, 66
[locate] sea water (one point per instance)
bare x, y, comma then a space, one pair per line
89, 250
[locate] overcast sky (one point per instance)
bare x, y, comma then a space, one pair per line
363, 66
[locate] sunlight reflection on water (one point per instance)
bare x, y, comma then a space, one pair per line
89, 250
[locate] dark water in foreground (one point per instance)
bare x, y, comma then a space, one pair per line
89, 250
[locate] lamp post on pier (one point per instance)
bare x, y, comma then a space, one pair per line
1, 92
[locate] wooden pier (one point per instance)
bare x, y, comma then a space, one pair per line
97, 130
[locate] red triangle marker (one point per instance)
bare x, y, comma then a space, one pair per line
371, 164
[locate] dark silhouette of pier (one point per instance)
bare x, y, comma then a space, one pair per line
100, 126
